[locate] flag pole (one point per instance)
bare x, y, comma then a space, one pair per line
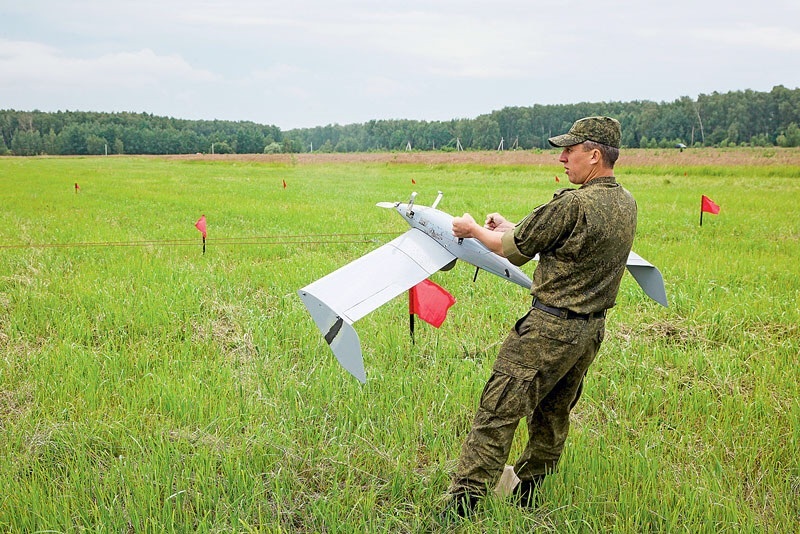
701, 211
412, 307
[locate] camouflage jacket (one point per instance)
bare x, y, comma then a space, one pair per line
583, 237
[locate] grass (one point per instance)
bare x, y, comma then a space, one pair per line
149, 387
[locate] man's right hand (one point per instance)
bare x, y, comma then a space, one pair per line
498, 223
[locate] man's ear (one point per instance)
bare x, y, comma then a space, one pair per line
596, 157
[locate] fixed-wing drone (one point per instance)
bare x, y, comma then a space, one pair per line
346, 295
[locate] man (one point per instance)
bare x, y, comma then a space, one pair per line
583, 237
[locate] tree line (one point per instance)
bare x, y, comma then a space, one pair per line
738, 118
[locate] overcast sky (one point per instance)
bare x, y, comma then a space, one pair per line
305, 63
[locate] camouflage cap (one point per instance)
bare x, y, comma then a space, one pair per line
603, 130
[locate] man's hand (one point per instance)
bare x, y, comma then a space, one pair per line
464, 226
497, 223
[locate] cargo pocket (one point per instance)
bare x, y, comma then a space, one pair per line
505, 395
514, 358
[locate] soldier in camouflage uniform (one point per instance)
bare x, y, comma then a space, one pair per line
583, 237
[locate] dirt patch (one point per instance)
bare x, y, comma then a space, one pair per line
629, 157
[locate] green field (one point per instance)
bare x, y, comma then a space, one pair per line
147, 387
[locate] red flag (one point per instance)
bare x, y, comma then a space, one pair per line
77, 187
201, 225
413, 181
557, 180
284, 184
430, 302
708, 205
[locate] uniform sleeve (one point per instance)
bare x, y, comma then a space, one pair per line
544, 229
511, 251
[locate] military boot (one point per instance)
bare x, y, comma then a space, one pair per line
459, 505
527, 492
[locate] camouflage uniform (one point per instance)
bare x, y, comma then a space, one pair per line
583, 237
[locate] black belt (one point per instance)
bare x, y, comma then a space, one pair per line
567, 314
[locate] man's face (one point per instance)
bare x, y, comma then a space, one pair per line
577, 163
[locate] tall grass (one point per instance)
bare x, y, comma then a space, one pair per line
149, 387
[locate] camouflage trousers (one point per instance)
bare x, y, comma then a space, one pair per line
538, 375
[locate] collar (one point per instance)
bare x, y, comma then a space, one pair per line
600, 180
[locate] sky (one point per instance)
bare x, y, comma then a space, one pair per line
307, 63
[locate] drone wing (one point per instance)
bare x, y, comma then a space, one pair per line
648, 277
346, 295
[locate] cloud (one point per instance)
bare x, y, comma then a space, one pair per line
381, 87
26, 63
447, 39
765, 38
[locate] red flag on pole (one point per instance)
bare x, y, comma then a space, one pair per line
557, 180
708, 205
284, 184
430, 302
413, 181
77, 188
201, 225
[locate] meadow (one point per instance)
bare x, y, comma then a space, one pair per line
148, 387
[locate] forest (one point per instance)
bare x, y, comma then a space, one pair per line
736, 118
